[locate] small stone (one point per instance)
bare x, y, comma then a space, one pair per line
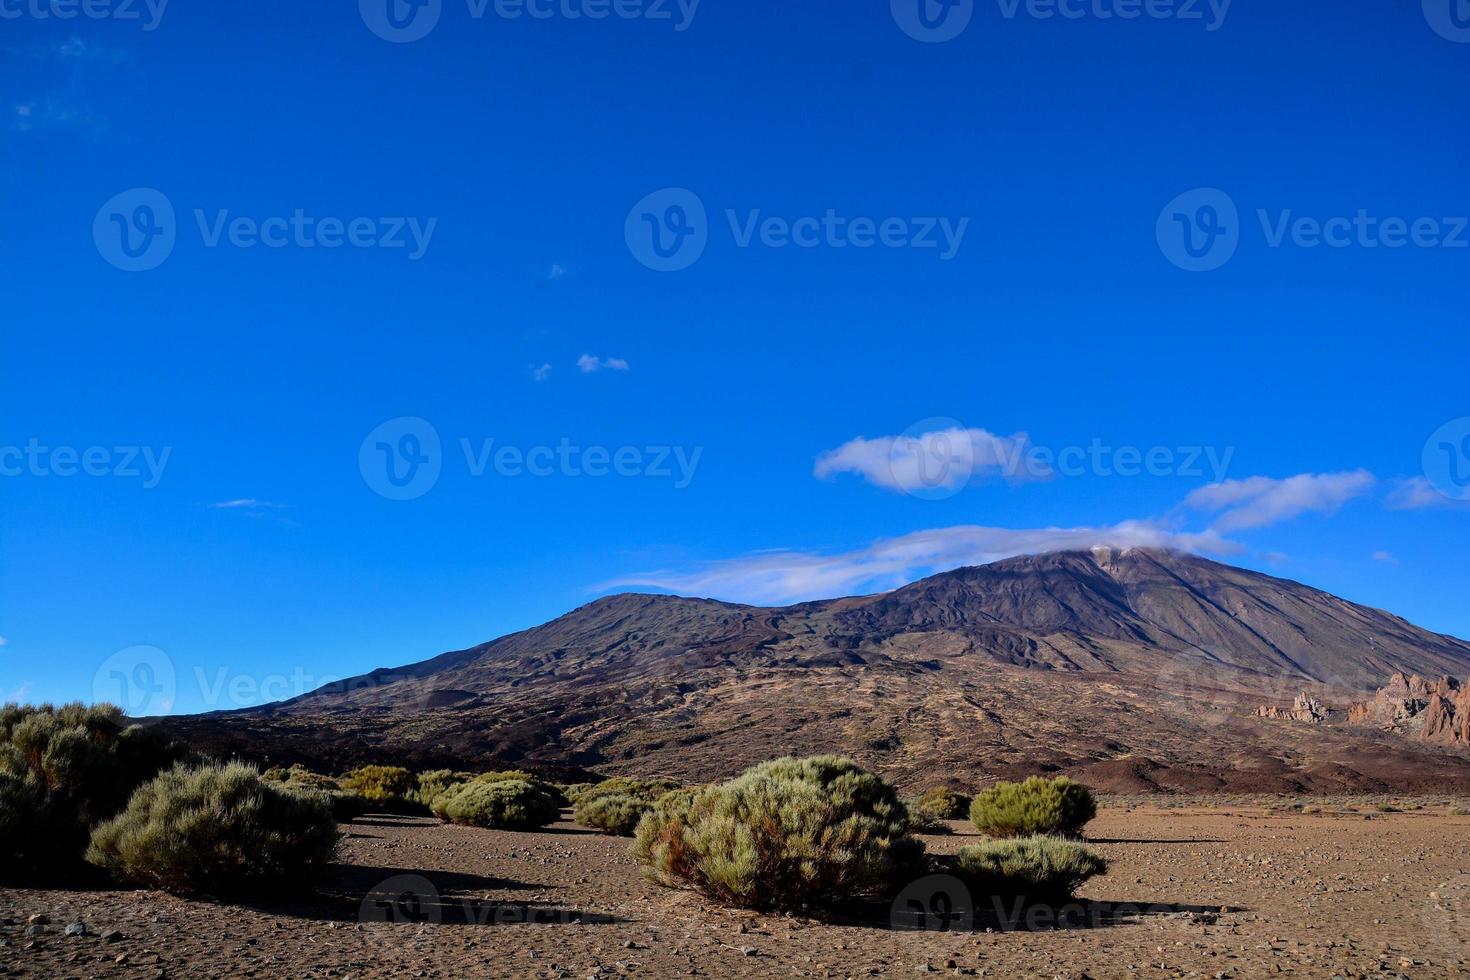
77, 929
38, 920
749, 951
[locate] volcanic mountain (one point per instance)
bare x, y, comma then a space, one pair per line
1136, 670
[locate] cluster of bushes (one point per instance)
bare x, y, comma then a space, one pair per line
615, 806
803, 834
62, 770
78, 783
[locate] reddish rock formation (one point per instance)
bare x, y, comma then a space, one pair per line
1410, 705
1305, 708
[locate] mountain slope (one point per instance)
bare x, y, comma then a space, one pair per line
1140, 669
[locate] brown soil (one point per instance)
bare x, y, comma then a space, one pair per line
1234, 890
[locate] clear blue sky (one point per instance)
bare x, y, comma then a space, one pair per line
1063, 314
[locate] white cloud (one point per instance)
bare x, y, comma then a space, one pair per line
2, 641
1386, 557
541, 373
1417, 493
1261, 500
943, 460
555, 272
247, 503
781, 577
1276, 558
786, 576
588, 364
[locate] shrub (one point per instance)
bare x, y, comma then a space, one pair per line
1037, 806
1459, 811
647, 790
1039, 869
788, 835
504, 804
62, 770
215, 829
303, 782
436, 782
392, 787
612, 813
928, 811
942, 803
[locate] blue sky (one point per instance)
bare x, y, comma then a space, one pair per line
454, 229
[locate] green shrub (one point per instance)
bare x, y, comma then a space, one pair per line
392, 787
1038, 869
504, 804
1037, 806
942, 803
929, 811
788, 835
1459, 811
436, 782
61, 771
303, 782
215, 829
647, 790
612, 813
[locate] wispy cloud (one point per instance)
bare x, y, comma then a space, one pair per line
945, 459
555, 272
541, 373
781, 577
248, 503
1261, 500
72, 104
590, 364
2, 641
17, 696
785, 576
1385, 557
1417, 493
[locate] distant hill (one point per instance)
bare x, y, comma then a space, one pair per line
1136, 670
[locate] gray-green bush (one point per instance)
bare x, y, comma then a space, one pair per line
612, 813
62, 770
1038, 869
503, 804
218, 830
1058, 807
790, 835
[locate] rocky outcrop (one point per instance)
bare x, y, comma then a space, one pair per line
1411, 705
1305, 709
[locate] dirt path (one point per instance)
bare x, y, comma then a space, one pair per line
1318, 895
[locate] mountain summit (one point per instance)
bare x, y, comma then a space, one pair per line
1139, 668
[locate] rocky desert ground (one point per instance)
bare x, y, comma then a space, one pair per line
1347, 887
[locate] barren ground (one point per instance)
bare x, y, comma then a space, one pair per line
1211, 890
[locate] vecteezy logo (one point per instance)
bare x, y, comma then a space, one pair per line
400, 21
667, 230
401, 458
402, 899
1447, 459
933, 459
135, 230
1199, 230
139, 679
937, 903
1449, 18
932, 21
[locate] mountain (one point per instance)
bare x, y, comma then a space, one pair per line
1136, 670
